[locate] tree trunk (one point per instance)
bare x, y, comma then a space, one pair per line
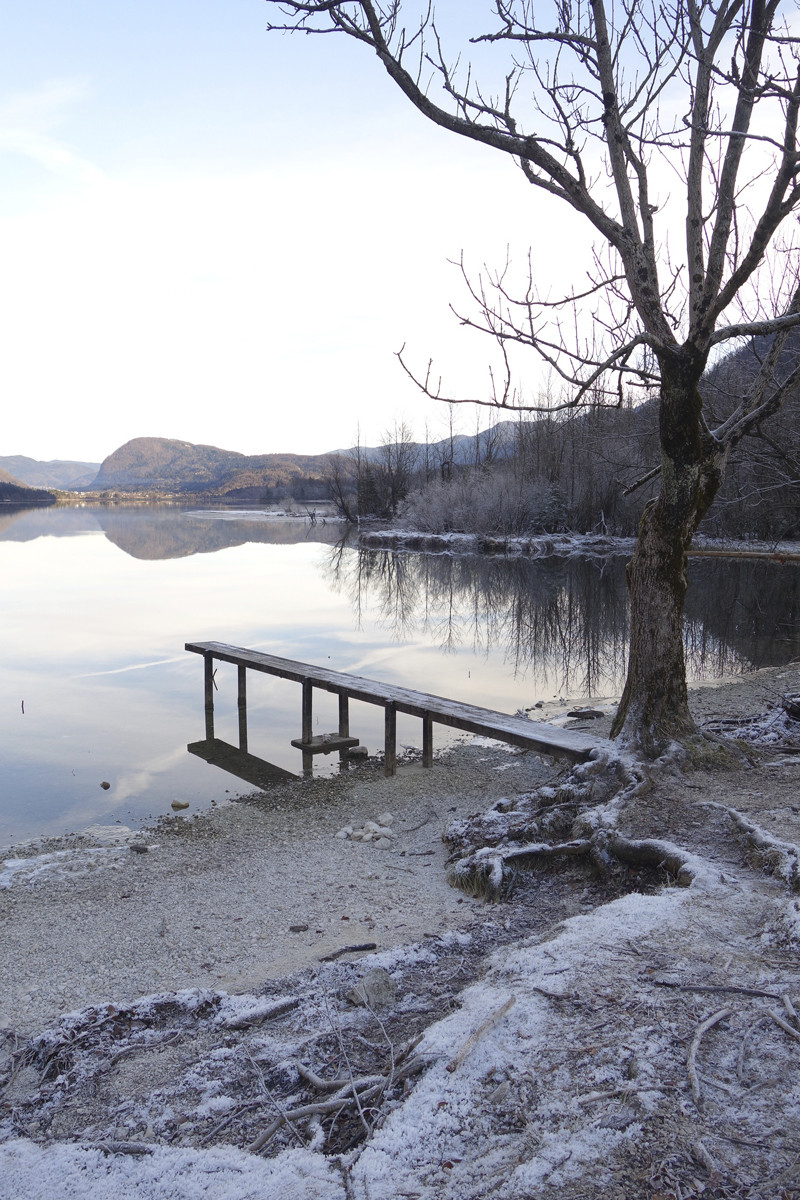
654, 709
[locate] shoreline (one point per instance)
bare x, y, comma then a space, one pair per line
550, 1029
208, 900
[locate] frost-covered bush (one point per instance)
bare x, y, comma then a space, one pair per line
497, 503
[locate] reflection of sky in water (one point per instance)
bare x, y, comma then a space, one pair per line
92, 641
92, 632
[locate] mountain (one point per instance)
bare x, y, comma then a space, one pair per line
12, 491
163, 464
58, 473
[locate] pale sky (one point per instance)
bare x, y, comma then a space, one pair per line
215, 234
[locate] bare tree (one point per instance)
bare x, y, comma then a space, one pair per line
626, 114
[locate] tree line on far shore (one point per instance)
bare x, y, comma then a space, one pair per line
588, 470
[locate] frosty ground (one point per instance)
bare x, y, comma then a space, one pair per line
147, 1045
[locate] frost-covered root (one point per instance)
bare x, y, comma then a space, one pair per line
575, 819
777, 857
576, 804
484, 872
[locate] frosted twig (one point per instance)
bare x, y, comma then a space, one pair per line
691, 1069
785, 1025
701, 1153
308, 1110
790, 1009
475, 1037
743, 1048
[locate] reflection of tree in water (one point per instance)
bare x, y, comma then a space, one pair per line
740, 614
567, 619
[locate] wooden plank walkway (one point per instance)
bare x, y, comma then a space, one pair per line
516, 731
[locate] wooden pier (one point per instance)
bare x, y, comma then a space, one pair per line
516, 731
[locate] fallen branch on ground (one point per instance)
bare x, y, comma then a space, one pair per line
309, 1110
348, 950
691, 1067
713, 987
785, 1025
475, 1037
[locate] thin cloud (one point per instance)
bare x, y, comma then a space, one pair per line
26, 122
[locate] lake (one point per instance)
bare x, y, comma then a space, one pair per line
96, 603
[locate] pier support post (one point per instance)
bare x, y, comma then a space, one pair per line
344, 715
242, 707
308, 701
427, 741
208, 662
390, 750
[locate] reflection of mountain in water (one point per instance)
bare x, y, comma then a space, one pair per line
159, 531
568, 618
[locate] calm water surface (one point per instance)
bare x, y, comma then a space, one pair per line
97, 602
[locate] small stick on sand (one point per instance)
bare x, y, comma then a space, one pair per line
348, 950
790, 1009
785, 1025
474, 1038
691, 1069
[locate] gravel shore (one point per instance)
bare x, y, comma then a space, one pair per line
87, 919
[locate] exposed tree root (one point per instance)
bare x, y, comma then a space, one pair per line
579, 820
776, 857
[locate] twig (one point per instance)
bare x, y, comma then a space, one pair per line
335, 1085
743, 1048
691, 1069
124, 1147
271, 1098
278, 1010
237, 1112
785, 1025
475, 1037
308, 1110
348, 950
790, 1009
337, 1026
701, 1153
716, 987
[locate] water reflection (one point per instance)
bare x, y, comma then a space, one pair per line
566, 620
246, 766
156, 532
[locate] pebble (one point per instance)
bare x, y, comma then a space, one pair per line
385, 818
105, 785
382, 844
179, 804
137, 848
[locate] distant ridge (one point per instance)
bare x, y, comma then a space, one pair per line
58, 473
165, 464
12, 491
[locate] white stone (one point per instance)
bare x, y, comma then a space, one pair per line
382, 843
387, 833
371, 827
342, 835
385, 818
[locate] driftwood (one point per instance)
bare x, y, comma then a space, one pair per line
474, 1038
691, 1068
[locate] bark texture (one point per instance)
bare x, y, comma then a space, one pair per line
654, 709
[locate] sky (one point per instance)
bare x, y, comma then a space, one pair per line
213, 233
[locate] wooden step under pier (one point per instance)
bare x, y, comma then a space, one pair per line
516, 731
